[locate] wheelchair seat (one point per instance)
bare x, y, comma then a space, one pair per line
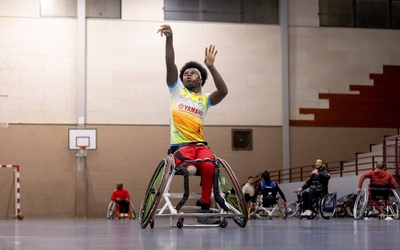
269, 198
380, 192
113, 211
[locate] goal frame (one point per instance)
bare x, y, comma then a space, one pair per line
17, 199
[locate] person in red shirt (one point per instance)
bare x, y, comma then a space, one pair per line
378, 176
122, 197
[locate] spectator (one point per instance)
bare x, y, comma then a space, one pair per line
248, 191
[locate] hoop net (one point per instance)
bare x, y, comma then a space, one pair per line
9, 191
3, 111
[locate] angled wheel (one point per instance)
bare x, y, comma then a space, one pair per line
328, 205
132, 211
154, 193
360, 204
230, 188
293, 209
282, 209
394, 204
110, 210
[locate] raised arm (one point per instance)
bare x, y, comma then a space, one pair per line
172, 70
219, 94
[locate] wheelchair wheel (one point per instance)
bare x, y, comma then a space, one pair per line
110, 210
327, 206
154, 193
229, 186
394, 204
282, 209
132, 210
293, 209
360, 204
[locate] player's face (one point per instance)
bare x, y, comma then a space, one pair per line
318, 163
191, 78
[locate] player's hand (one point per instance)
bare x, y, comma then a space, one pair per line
315, 171
210, 56
165, 30
300, 189
358, 190
118, 199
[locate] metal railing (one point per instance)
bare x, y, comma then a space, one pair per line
390, 155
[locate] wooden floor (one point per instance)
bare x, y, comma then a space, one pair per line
337, 233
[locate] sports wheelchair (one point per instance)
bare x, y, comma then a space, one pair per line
271, 205
113, 211
325, 206
226, 195
385, 200
345, 206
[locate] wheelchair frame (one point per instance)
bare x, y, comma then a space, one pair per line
113, 211
324, 206
277, 210
386, 208
226, 193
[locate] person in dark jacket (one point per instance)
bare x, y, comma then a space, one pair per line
317, 184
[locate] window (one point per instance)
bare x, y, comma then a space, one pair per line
68, 8
231, 11
383, 14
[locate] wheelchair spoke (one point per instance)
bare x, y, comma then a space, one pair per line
154, 193
328, 205
230, 188
360, 204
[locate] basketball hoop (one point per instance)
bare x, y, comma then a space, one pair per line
82, 152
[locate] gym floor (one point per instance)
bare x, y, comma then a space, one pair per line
337, 233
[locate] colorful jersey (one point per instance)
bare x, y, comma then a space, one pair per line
188, 111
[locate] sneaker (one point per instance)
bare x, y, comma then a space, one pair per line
207, 220
306, 213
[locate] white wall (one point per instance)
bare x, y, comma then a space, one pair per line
126, 71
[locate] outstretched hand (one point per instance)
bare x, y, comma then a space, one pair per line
210, 56
165, 30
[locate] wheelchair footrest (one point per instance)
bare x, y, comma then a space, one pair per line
201, 215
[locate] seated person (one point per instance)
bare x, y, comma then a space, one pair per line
269, 189
248, 191
121, 197
378, 177
317, 184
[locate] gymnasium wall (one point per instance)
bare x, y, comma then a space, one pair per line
127, 100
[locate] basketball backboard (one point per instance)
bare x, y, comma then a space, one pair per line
82, 137
3, 111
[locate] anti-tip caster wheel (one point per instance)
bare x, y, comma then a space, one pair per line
223, 224
152, 223
179, 224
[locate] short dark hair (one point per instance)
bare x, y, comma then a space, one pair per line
380, 165
196, 65
249, 177
265, 176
